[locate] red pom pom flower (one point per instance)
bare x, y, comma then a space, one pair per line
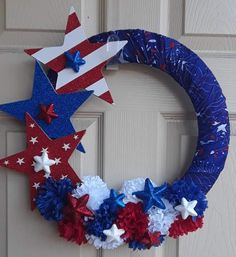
133, 220
182, 227
72, 226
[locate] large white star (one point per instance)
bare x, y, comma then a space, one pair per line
187, 208
43, 163
113, 234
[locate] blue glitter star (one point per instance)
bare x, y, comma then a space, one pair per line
44, 94
151, 196
115, 201
74, 61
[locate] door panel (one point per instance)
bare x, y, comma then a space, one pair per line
151, 130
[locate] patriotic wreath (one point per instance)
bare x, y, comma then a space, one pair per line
140, 213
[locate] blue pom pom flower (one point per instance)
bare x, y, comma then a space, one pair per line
105, 215
188, 190
52, 198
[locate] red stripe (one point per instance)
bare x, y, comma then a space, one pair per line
83, 81
85, 48
107, 97
32, 51
72, 23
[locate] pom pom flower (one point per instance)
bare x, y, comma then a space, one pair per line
133, 220
52, 198
182, 227
115, 219
131, 186
188, 190
95, 188
160, 220
72, 226
105, 215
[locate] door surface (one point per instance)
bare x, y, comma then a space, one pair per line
150, 132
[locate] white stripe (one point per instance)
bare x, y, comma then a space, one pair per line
92, 60
72, 39
100, 87
72, 10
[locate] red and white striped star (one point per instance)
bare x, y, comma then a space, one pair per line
95, 55
44, 158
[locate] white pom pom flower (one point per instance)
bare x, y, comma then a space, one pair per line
95, 188
96, 241
131, 186
161, 220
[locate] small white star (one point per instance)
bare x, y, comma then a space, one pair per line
36, 185
66, 147
20, 161
113, 234
215, 123
43, 163
6, 162
47, 175
187, 208
64, 176
34, 140
44, 150
32, 125
76, 137
222, 128
57, 161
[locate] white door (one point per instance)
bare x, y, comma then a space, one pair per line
148, 103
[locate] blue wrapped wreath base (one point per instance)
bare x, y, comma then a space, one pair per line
141, 213
196, 78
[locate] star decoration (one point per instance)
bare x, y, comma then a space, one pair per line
75, 137
222, 128
95, 56
43, 155
57, 161
44, 150
6, 162
115, 200
33, 140
66, 147
47, 113
64, 176
187, 208
44, 95
36, 185
43, 163
113, 234
79, 205
20, 161
151, 196
74, 61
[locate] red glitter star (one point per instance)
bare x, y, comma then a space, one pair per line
47, 113
43, 157
79, 205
